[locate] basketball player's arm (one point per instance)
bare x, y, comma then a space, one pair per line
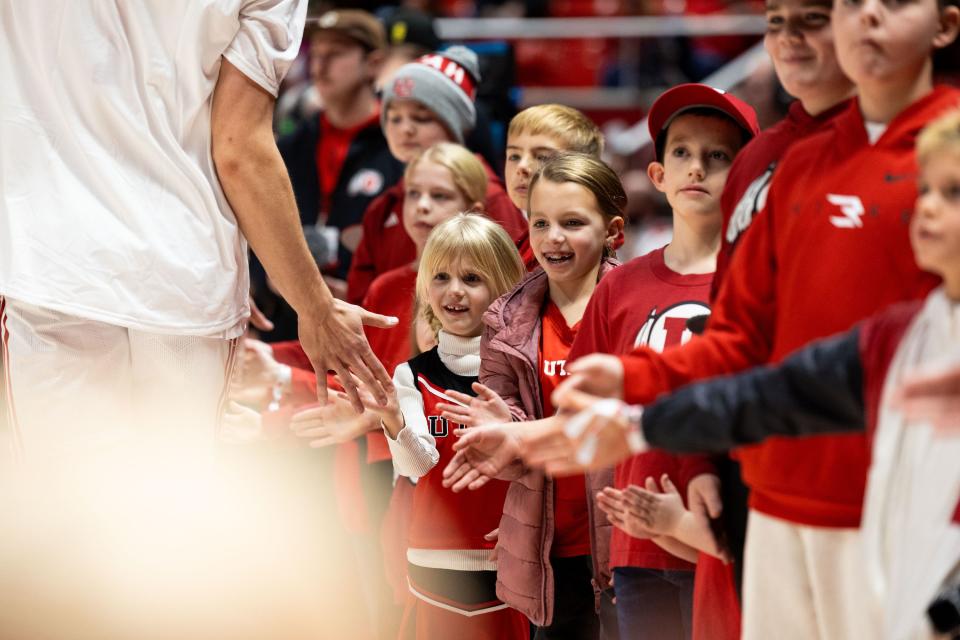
256, 183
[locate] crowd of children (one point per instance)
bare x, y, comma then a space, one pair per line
478, 508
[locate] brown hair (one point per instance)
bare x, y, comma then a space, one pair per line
575, 131
592, 174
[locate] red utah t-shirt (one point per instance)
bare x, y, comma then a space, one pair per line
571, 536
644, 302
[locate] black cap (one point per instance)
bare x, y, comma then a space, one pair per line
409, 26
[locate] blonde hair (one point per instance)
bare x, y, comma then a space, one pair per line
941, 135
574, 130
476, 238
469, 176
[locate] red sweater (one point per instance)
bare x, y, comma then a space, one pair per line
831, 249
745, 191
385, 244
391, 294
644, 302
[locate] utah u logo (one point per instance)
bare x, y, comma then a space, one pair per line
439, 426
669, 328
754, 199
550, 367
852, 209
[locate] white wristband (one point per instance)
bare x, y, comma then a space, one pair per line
635, 440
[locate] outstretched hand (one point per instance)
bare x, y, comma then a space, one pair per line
335, 341
598, 434
613, 503
474, 411
482, 454
332, 423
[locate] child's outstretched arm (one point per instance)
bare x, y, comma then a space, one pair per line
413, 449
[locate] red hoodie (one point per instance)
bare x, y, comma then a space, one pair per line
745, 191
385, 244
831, 249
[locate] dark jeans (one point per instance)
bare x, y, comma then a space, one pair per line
574, 613
653, 604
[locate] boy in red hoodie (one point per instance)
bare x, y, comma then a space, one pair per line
847, 192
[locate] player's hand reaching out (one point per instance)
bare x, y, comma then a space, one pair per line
589, 433
334, 340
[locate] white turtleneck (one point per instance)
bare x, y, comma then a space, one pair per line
415, 450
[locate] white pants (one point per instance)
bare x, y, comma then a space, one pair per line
76, 386
804, 582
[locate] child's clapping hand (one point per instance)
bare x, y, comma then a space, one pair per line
658, 512
644, 513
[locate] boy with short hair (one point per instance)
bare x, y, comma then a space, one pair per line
697, 131
799, 41
428, 101
538, 133
534, 136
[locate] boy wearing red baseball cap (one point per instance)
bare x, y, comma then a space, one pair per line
697, 131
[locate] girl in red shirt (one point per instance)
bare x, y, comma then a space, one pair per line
546, 568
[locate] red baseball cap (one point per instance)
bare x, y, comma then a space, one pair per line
684, 97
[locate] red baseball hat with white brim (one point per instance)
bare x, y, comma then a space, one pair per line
685, 97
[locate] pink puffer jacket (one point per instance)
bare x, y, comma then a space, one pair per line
509, 366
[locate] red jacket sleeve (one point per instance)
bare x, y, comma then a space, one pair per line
739, 333
363, 270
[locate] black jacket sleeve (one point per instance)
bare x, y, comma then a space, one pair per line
816, 390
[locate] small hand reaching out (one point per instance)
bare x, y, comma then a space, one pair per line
482, 454
332, 423
474, 411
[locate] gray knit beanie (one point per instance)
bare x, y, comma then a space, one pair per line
444, 82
